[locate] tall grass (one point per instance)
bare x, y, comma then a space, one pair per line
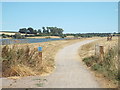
108, 67
20, 61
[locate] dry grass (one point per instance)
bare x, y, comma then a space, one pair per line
20, 61
107, 70
89, 49
24, 60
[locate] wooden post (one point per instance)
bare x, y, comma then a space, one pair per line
97, 50
40, 54
101, 56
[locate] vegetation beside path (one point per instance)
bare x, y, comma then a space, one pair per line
24, 59
106, 70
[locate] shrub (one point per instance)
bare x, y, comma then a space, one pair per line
18, 36
4, 36
109, 66
47, 37
20, 61
89, 61
97, 67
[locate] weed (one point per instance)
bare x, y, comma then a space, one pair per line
89, 61
109, 66
37, 79
20, 61
97, 67
39, 84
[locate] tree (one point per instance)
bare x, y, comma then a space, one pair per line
60, 31
47, 31
39, 31
23, 30
35, 31
4, 36
31, 30
55, 31
18, 36
44, 30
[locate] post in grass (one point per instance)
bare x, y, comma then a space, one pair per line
40, 54
40, 51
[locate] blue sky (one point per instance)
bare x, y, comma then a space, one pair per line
73, 17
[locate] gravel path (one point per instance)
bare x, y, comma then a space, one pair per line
69, 73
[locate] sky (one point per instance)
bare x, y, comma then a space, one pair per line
73, 17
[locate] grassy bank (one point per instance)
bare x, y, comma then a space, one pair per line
24, 59
106, 70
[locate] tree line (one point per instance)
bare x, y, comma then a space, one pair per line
55, 31
92, 34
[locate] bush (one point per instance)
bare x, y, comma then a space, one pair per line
18, 59
109, 66
62, 36
18, 36
5, 36
89, 61
47, 37
97, 67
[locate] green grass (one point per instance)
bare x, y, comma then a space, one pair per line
38, 79
39, 84
89, 61
108, 67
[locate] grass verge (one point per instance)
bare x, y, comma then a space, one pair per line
108, 68
24, 59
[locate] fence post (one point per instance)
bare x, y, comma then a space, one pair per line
101, 53
97, 50
40, 54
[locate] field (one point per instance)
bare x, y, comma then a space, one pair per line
106, 71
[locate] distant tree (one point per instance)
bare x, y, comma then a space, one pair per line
62, 36
4, 36
18, 36
47, 31
39, 31
31, 30
44, 30
35, 32
23, 30
55, 31
60, 31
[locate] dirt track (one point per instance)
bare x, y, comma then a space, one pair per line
69, 73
